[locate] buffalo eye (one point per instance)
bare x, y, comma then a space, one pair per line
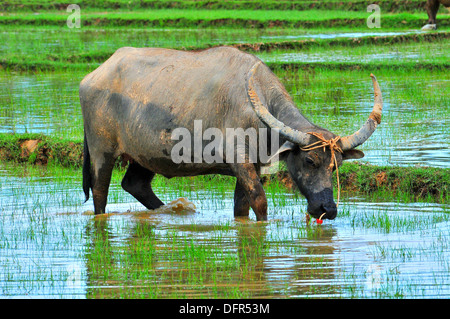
311, 161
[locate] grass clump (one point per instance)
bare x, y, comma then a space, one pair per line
410, 183
40, 149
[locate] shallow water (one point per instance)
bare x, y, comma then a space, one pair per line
410, 54
331, 35
52, 247
40, 103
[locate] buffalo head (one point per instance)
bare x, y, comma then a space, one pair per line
313, 156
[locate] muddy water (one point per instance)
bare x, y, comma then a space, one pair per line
52, 246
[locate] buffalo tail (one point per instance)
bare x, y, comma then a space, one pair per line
86, 169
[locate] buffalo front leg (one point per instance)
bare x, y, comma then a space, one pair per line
249, 181
102, 171
137, 182
241, 203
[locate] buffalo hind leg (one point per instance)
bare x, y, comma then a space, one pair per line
251, 185
137, 182
241, 203
432, 7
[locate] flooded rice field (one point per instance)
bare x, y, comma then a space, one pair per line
51, 246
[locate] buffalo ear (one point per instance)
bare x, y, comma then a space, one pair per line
283, 151
352, 154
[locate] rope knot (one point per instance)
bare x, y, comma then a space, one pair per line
334, 147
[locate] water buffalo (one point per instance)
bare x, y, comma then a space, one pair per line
134, 101
432, 7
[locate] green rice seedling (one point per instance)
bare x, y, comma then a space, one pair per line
27, 5
215, 18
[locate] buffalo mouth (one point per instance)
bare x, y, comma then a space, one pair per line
323, 211
322, 205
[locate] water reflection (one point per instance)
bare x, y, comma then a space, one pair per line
192, 256
372, 249
243, 261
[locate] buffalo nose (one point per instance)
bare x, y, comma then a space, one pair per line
330, 210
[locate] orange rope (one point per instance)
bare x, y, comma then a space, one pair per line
334, 147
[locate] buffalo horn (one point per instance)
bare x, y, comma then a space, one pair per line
360, 136
264, 115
